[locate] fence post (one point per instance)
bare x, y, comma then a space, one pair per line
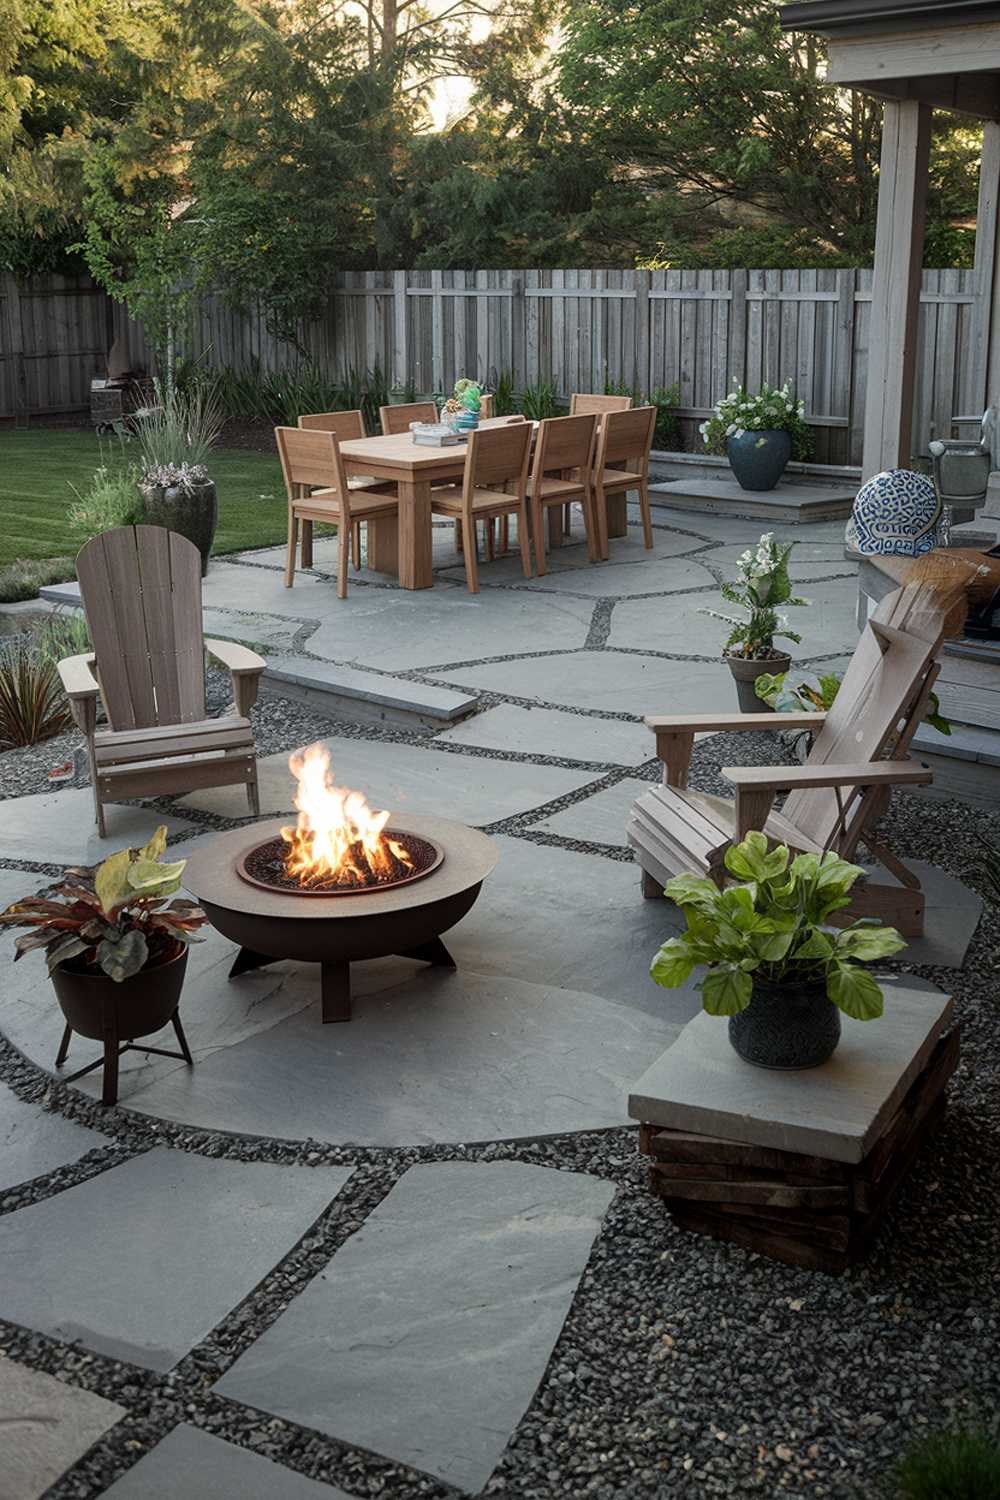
737, 372
18, 392
518, 331
437, 332
986, 308
642, 377
400, 351
842, 384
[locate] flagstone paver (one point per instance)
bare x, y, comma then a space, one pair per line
409, 778
428, 1332
59, 828
45, 1425
544, 731
190, 1464
397, 631
438, 1057
645, 574
601, 818
618, 682
142, 1261
828, 625
33, 1141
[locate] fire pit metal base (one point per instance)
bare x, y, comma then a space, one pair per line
335, 979
406, 919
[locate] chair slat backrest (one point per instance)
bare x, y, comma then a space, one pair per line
398, 418
497, 456
583, 404
141, 590
345, 425
309, 460
565, 443
880, 691
626, 435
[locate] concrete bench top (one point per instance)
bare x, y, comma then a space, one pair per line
837, 1111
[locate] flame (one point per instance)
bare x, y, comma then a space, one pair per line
338, 838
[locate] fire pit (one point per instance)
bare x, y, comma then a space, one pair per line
346, 883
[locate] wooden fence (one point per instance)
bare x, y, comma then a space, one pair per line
699, 330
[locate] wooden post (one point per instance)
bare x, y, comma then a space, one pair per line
984, 379
437, 332
400, 351
642, 377
895, 309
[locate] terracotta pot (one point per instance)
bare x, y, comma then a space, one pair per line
194, 513
746, 670
97, 1006
786, 1026
758, 459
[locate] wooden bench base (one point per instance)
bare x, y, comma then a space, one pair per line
804, 1210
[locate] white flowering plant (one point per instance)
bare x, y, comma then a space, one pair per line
762, 586
770, 411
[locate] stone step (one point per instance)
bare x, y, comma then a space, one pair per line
791, 501
62, 593
353, 694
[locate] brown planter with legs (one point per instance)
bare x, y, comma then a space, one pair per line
116, 1014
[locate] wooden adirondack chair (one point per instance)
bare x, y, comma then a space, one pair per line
837, 797
141, 588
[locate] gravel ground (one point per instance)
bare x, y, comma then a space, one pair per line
686, 1367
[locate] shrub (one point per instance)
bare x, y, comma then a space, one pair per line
64, 633
22, 579
538, 401
950, 1466
182, 428
769, 411
667, 433
33, 706
112, 499
763, 584
504, 402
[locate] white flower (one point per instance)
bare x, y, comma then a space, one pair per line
731, 429
703, 429
739, 432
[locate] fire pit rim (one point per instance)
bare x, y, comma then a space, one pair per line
211, 873
374, 889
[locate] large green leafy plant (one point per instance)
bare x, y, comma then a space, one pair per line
769, 411
762, 586
815, 692
117, 920
773, 926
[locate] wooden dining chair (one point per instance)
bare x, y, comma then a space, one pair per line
623, 437
345, 426
585, 404
396, 419
560, 475
486, 409
318, 491
495, 483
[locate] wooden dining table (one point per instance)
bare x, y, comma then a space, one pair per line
404, 549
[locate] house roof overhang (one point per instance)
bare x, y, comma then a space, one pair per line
943, 53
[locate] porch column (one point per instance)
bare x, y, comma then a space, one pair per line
895, 309
985, 373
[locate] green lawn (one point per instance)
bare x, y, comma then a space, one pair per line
38, 467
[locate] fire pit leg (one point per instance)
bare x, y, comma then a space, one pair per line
247, 960
335, 980
433, 952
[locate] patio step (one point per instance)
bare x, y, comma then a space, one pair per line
793, 500
62, 593
353, 694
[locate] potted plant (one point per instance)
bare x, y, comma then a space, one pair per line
758, 434
176, 437
462, 408
116, 947
775, 967
762, 586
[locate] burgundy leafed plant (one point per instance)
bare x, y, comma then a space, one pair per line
117, 919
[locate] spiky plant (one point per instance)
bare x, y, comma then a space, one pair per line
117, 920
33, 706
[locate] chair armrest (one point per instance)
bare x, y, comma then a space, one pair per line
77, 676
833, 774
713, 723
245, 666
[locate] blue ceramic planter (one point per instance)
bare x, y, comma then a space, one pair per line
758, 459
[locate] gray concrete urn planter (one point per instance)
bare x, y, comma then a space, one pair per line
786, 1026
746, 670
758, 459
193, 512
